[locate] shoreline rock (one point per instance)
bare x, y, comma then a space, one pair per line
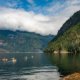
74, 76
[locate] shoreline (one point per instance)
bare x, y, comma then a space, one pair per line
74, 76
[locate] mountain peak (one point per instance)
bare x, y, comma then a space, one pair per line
74, 19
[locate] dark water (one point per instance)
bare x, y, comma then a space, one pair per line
27, 66
66, 63
37, 66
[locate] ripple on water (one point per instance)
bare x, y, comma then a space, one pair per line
42, 73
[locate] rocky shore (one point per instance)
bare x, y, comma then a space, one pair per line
74, 76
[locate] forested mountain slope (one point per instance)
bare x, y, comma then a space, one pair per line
68, 37
22, 41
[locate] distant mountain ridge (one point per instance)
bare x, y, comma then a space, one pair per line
22, 41
68, 37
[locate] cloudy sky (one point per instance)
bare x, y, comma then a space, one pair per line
40, 16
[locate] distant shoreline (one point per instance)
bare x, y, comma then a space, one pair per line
61, 52
21, 52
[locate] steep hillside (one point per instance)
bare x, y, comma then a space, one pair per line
68, 37
21, 41
75, 19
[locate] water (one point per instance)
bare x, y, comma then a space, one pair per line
66, 63
37, 66
27, 66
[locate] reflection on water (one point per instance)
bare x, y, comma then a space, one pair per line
37, 66
27, 66
66, 63
6, 60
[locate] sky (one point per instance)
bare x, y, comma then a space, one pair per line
44, 17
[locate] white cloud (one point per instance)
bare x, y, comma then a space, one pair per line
17, 19
73, 2
31, 1
27, 21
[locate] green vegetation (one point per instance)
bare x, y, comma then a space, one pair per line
67, 40
21, 41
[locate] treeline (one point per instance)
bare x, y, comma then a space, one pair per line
69, 41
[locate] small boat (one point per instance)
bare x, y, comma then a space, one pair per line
4, 60
13, 60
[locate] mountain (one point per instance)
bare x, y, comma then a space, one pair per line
22, 41
68, 37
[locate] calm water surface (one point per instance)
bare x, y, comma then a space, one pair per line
66, 63
37, 66
27, 66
